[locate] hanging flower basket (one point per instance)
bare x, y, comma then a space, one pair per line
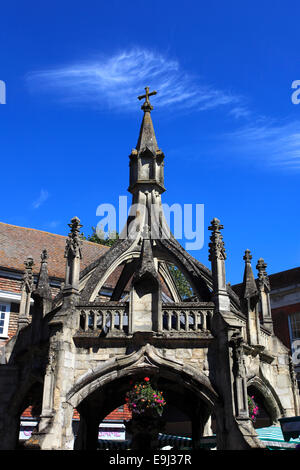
146, 405
253, 409
143, 400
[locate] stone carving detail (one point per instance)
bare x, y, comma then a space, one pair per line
237, 343
292, 373
73, 242
239, 373
216, 247
84, 351
27, 281
263, 279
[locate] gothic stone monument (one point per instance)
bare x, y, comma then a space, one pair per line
77, 351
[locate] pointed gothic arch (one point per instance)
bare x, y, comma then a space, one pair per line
146, 359
269, 397
208, 333
102, 390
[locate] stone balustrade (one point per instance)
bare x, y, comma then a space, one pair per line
186, 317
113, 317
101, 317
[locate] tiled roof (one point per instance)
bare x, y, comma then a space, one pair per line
16, 243
277, 280
285, 278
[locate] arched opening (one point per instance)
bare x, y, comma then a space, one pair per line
186, 413
29, 412
110, 279
182, 284
268, 411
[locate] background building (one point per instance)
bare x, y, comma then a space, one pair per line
285, 307
16, 243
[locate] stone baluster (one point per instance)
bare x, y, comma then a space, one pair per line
204, 319
178, 320
121, 320
186, 321
169, 320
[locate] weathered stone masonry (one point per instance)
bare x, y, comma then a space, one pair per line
80, 352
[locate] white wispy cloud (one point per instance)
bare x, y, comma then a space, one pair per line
43, 196
114, 82
240, 111
53, 223
268, 143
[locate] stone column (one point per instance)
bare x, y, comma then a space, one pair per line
26, 290
217, 257
55, 427
249, 300
234, 428
264, 294
73, 257
42, 299
239, 373
145, 294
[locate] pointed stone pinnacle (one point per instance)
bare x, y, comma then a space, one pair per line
247, 257
215, 226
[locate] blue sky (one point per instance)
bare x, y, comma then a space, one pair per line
223, 114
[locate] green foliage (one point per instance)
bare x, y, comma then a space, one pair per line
98, 236
144, 399
183, 286
253, 408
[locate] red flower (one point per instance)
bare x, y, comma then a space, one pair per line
146, 379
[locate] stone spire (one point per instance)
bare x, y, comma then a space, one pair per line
249, 284
42, 299
73, 256
147, 137
264, 294
217, 256
146, 160
43, 287
216, 247
250, 300
70, 290
42, 294
26, 290
145, 293
263, 279
146, 267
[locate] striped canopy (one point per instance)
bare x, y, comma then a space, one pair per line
271, 437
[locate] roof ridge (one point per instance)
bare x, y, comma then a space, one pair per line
284, 271
35, 229
50, 233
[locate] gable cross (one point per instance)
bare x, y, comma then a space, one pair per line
147, 104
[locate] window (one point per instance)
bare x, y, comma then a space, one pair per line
294, 326
4, 319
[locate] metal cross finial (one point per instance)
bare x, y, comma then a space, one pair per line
147, 105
